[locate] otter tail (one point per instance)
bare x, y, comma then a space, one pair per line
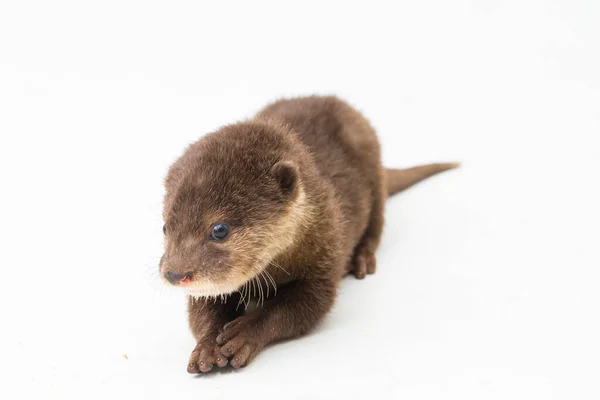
401, 179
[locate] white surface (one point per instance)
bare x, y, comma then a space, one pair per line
487, 286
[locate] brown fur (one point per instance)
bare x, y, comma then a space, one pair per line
302, 187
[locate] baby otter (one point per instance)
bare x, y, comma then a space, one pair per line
274, 210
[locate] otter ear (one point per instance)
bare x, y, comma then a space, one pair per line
286, 174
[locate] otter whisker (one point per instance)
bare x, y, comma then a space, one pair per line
272, 281
261, 296
245, 293
257, 290
242, 296
247, 297
279, 266
262, 273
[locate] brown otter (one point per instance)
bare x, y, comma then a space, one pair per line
276, 209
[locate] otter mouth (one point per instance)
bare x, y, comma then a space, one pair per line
261, 287
205, 288
210, 290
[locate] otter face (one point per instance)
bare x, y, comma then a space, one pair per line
229, 210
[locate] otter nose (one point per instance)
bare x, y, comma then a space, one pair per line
176, 278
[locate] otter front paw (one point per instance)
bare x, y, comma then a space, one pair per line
364, 262
205, 356
240, 341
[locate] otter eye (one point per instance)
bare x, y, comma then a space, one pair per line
219, 232
164, 229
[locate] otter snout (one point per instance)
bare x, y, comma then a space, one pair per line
175, 279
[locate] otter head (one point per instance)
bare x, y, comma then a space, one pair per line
234, 201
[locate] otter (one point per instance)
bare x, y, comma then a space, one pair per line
274, 212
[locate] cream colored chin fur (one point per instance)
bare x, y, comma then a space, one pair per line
206, 288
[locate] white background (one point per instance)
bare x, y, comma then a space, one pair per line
487, 282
